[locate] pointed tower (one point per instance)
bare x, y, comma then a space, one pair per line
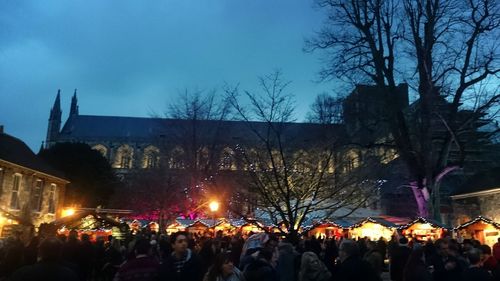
74, 105
54, 121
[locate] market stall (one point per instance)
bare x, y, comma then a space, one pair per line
424, 229
373, 228
483, 229
96, 225
326, 229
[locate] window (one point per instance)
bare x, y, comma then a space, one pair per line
37, 194
101, 148
123, 158
227, 159
14, 199
177, 158
52, 198
2, 172
151, 157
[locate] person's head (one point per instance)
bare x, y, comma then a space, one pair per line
85, 237
50, 249
442, 247
417, 256
310, 262
403, 241
272, 242
73, 235
179, 241
266, 254
142, 247
222, 266
485, 252
348, 248
474, 256
371, 245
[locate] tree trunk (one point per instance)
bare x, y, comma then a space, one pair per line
422, 198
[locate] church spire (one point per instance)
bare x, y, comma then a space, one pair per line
54, 121
55, 112
74, 105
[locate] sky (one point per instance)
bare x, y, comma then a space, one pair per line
132, 58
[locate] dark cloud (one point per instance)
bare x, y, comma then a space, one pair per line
132, 57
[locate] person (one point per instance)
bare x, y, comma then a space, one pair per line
352, 267
487, 259
287, 259
398, 260
261, 269
31, 251
312, 268
182, 264
373, 257
49, 267
496, 250
223, 269
415, 269
113, 258
142, 267
475, 272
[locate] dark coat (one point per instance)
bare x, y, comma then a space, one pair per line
476, 274
43, 271
260, 270
399, 258
355, 269
417, 272
191, 271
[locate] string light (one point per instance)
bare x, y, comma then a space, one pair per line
476, 220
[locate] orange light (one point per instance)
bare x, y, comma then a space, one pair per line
214, 206
68, 212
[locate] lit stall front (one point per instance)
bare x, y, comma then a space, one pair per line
373, 228
424, 229
327, 229
483, 229
94, 224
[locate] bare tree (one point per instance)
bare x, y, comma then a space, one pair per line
444, 49
326, 109
195, 122
295, 170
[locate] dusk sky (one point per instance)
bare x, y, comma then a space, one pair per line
131, 58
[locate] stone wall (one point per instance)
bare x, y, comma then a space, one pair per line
468, 208
28, 180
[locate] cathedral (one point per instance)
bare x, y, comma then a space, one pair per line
208, 148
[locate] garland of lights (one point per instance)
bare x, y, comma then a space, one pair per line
369, 219
420, 220
476, 220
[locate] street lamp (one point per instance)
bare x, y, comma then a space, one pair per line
68, 212
214, 206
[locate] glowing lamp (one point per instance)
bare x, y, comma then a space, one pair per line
214, 206
68, 212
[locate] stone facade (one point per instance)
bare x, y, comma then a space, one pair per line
467, 208
42, 195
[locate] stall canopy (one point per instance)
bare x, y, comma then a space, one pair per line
483, 229
92, 223
424, 229
373, 228
327, 228
86, 220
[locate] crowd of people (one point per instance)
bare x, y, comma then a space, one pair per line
184, 256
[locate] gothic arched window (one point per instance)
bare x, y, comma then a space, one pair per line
151, 157
102, 149
123, 159
176, 158
227, 161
